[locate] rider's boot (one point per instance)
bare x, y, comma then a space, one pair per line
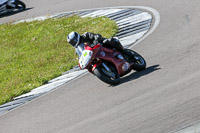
120, 48
115, 43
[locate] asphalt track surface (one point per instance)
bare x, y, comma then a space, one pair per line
163, 98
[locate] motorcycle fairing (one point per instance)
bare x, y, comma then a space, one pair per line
85, 58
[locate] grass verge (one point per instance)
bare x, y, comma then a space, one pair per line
32, 53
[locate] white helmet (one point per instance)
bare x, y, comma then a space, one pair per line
74, 39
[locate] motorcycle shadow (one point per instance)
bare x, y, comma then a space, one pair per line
137, 75
14, 12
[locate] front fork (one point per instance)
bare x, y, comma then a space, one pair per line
101, 63
106, 71
106, 67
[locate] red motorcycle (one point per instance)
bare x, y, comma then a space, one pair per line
108, 64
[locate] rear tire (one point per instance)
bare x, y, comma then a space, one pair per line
105, 78
21, 6
139, 61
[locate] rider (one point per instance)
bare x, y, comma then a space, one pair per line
92, 39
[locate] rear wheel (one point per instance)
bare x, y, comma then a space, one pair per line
20, 6
139, 61
111, 77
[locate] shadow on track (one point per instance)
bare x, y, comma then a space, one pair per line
137, 75
14, 12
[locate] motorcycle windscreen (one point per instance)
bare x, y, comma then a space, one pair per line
80, 49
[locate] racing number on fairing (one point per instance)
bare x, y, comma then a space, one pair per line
85, 54
85, 58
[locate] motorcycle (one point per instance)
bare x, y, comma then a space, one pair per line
108, 64
6, 8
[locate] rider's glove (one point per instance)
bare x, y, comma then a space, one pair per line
98, 37
95, 42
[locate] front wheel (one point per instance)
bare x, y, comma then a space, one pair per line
139, 61
111, 77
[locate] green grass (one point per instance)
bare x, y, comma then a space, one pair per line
32, 53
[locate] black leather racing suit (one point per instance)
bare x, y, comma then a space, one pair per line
93, 39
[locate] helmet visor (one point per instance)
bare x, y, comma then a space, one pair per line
73, 41
73, 38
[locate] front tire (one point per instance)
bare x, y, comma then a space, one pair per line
101, 74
